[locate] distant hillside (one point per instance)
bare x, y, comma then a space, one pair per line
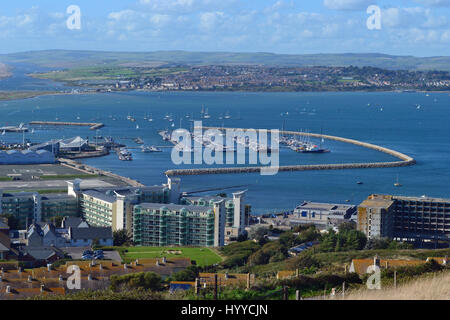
71, 59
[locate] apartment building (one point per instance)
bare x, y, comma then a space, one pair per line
179, 225
405, 218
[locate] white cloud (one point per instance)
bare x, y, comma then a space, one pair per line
347, 4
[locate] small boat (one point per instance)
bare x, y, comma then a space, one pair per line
125, 155
148, 149
397, 183
360, 182
139, 140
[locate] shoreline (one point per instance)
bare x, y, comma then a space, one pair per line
32, 94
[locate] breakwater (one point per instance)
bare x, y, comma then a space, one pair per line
92, 125
405, 160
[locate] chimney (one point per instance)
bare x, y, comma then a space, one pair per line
30, 279
157, 263
226, 275
8, 289
89, 277
42, 288
100, 266
137, 262
19, 270
376, 261
445, 261
1, 279
125, 267
60, 278
49, 267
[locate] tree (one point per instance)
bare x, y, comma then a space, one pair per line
122, 238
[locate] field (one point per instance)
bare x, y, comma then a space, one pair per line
202, 256
112, 72
16, 95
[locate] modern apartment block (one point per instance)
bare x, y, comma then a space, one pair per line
405, 218
235, 210
113, 207
179, 225
26, 207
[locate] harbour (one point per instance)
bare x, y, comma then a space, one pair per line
285, 189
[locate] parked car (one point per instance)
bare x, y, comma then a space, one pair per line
87, 257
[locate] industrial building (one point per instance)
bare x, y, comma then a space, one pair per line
322, 215
179, 225
405, 218
26, 157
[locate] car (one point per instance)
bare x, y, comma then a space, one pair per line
87, 252
99, 256
98, 252
87, 257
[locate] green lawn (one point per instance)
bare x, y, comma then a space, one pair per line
203, 256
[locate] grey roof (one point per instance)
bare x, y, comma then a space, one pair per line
100, 195
43, 253
71, 222
91, 233
174, 207
324, 206
3, 248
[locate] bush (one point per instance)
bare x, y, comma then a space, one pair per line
143, 280
188, 274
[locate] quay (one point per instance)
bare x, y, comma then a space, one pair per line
92, 125
92, 170
405, 160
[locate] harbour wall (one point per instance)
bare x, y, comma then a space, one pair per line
405, 160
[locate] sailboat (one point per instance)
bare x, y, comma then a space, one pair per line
397, 183
137, 127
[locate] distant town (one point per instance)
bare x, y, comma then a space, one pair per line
251, 78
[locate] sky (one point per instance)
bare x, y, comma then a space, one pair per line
407, 27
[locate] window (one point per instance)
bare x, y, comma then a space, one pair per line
304, 214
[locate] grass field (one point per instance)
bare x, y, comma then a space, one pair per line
202, 256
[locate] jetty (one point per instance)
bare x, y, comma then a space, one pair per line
92, 125
405, 160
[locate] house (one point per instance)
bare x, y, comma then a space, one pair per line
40, 256
73, 222
83, 237
360, 266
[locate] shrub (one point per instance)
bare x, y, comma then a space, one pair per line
143, 280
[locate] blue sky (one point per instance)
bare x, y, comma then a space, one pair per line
408, 27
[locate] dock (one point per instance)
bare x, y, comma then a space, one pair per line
405, 160
92, 125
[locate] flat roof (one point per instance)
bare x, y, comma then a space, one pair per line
100, 195
324, 206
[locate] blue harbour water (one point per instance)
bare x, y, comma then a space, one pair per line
389, 119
